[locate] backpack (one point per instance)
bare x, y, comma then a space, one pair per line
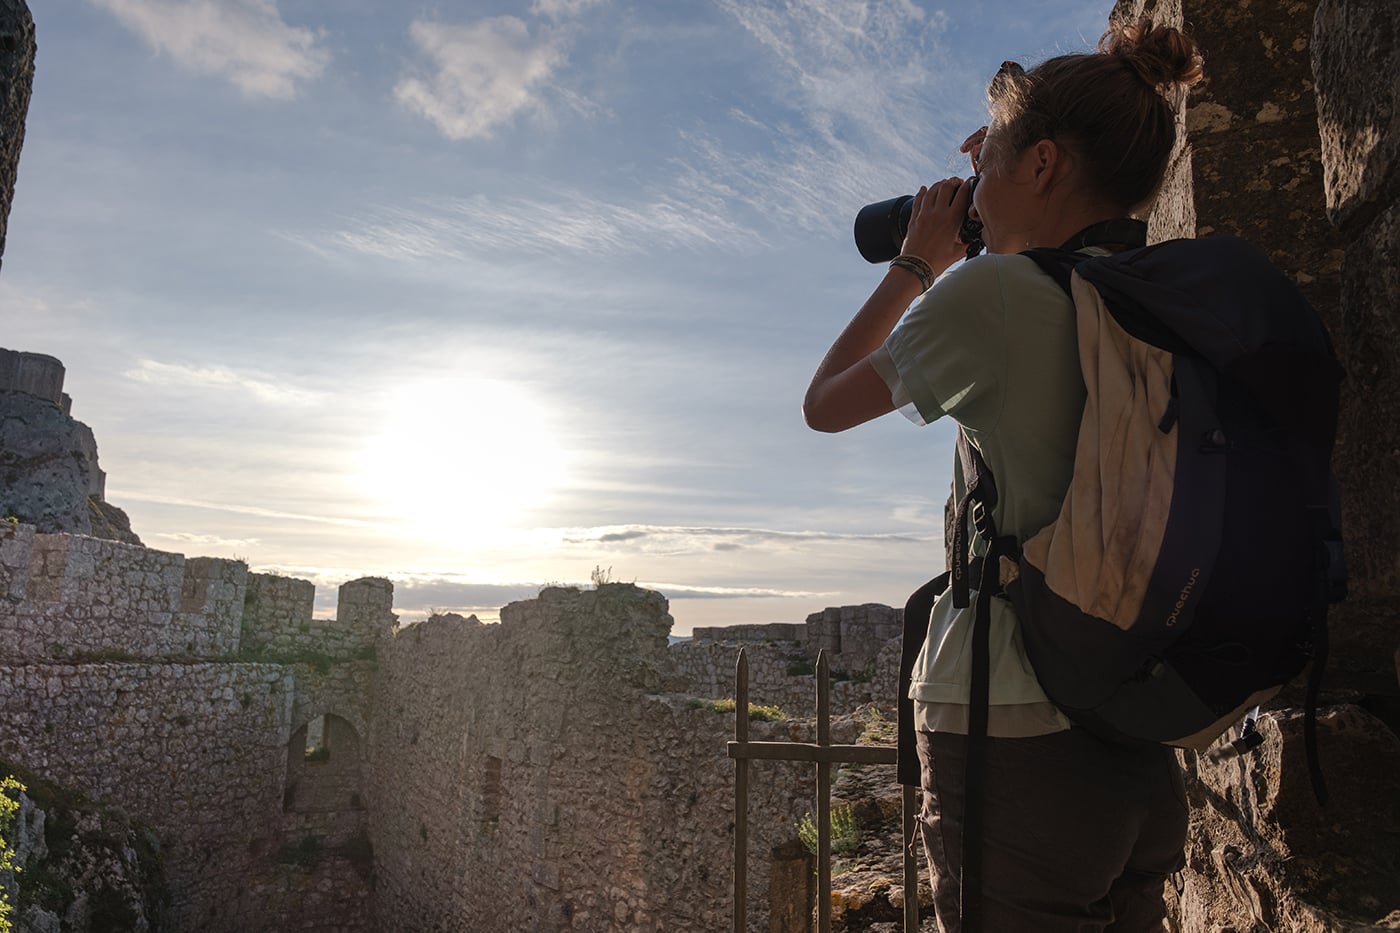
1188, 575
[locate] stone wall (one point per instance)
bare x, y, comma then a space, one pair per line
544, 773
36, 374
197, 751
556, 771
781, 657
783, 674
76, 597
126, 675
278, 621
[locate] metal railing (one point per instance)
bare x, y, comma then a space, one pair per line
824, 755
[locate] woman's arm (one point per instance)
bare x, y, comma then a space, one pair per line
846, 390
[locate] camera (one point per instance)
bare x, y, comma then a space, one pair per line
881, 227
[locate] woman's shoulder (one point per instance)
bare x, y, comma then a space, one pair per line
1010, 279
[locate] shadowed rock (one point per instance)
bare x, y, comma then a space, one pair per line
16, 82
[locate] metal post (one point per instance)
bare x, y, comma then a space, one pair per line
741, 795
823, 795
823, 754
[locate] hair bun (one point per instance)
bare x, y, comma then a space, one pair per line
1163, 56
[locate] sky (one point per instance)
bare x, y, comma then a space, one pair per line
485, 296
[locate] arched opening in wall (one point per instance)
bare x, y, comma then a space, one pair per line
318, 749
324, 795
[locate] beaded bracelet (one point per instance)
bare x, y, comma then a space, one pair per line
917, 266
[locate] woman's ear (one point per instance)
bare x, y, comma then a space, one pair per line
1049, 163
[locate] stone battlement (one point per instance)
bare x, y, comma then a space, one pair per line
35, 374
68, 596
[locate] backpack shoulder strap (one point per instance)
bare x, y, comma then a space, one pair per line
1059, 264
979, 498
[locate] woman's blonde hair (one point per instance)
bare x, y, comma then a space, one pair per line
1111, 106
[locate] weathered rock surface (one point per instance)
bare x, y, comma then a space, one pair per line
1356, 51
16, 85
1263, 855
49, 475
84, 868
1356, 54
44, 465
1296, 124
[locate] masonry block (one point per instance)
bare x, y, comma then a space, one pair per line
274, 608
367, 604
211, 600
16, 549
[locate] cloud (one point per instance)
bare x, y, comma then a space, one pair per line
265, 390
561, 9
566, 220
675, 539
484, 74
244, 41
187, 538
122, 494
447, 595
621, 536
873, 92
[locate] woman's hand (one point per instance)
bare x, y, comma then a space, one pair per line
973, 147
934, 224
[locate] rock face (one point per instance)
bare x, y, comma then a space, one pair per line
16, 83
49, 475
1356, 47
86, 868
1294, 140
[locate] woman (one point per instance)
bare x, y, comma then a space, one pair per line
1078, 834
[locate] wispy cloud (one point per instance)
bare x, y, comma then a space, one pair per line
245, 41
263, 388
562, 9
871, 87
183, 538
121, 494
566, 220
673, 539
481, 74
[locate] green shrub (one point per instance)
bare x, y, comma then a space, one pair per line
845, 831
801, 669
10, 789
757, 712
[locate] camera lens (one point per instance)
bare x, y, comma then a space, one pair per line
880, 228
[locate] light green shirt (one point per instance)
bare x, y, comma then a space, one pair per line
993, 345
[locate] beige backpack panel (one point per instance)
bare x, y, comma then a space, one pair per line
1100, 552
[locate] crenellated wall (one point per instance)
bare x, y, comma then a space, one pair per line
35, 374
545, 774
556, 771
175, 689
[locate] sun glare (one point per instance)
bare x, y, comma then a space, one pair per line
463, 458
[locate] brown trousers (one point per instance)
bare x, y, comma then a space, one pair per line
1080, 835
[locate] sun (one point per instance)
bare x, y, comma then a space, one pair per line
462, 458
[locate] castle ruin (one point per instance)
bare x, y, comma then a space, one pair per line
554, 772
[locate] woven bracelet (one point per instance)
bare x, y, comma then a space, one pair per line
917, 266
